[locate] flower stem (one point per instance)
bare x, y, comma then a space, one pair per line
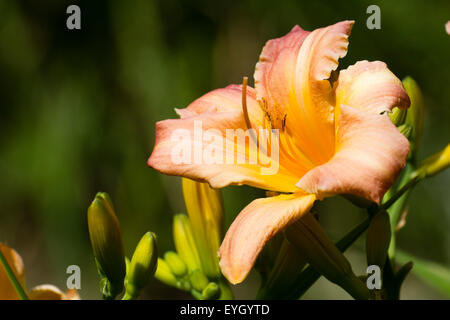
411, 183
12, 277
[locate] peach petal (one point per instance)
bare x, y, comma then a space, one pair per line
370, 152
215, 115
370, 87
254, 227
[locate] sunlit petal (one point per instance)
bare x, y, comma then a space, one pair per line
256, 225
223, 100
370, 87
275, 74
208, 156
370, 152
311, 120
291, 81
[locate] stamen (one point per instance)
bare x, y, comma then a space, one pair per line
246, 116
244, 103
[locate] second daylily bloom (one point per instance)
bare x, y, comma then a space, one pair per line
40, 292
335, 137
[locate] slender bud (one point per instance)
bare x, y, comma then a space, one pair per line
106, 241
205, 210
211, 291
142, 265
285, 274
175, 263
433, 164
184, 242
378, 239
414, 116
312, 242
164, 274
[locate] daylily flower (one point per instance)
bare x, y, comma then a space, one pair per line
335, 137
40, 292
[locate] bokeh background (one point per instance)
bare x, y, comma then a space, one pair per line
78, 108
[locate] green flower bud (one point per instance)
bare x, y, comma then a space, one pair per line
164, 274
127, 265
284, 275
211, 291
106, 242
378, 239
184, 241
433, 164
398, 116
205, 210
414, 116
197, 295
142, 265
312, 242
198, 280
406, 130
175, 263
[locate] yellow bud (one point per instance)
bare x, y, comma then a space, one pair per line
164, 274
415, 113
434, 164
175, 263
378, 239
184, 241
198, 280
205, 209
106, 241
142, 265
312, 242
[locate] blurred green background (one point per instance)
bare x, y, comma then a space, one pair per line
78, 110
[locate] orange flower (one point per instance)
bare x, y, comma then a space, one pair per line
334, 136
41, 292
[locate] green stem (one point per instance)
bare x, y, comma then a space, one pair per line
398, 207
411, 183
12, 277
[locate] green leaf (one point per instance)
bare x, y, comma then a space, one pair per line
435, 275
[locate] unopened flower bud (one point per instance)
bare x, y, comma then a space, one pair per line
414, 116
175, 263
106, 241
164, 274
312, 242
378, 239
211, 291
205, 210
398, 116
434, 164
184, 242
198, 280
142, 265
